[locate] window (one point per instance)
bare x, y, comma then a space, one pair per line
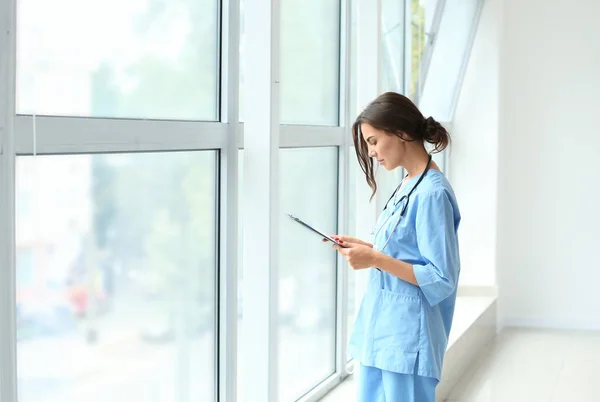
420, 36
121, 303
309, 62
307, 271
307, 287
151, 59
392, 40
449, 57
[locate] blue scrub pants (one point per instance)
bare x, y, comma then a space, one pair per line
376, 385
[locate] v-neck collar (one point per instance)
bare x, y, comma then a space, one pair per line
403, 187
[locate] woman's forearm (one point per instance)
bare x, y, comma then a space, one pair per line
400, 269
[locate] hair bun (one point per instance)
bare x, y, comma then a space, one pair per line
434, 133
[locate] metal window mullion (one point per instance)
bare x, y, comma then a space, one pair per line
229, 209
343, 191
261, 202
8, 352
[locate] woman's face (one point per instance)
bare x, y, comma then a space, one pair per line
386, 149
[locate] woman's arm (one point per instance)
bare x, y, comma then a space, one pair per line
400, 269
437, 242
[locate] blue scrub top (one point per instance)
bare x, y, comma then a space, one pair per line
400, 326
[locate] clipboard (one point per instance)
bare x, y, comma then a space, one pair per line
307, 226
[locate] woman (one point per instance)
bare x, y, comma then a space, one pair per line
402, 327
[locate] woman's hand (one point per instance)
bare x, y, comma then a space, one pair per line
358, 256
347, 239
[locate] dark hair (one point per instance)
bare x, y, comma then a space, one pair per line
396, 115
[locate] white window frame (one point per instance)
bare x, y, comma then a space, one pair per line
8, 385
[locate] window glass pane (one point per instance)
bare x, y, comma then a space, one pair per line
116, 277
420, 31
310, 46
429, 12
134, 59
453, 44
307, 285
309, 69
392, 41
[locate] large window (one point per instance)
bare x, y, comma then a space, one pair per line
116, 277
134, 59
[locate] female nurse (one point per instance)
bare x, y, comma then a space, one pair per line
401, 329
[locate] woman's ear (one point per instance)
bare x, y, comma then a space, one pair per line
403, 136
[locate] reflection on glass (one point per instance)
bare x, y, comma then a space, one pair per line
133, 59
307, 270
116, 277
310, 63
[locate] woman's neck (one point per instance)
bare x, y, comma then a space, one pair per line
417, 164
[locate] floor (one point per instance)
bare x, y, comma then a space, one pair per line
525, 365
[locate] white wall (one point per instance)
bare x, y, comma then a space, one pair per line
474, 152
549, 178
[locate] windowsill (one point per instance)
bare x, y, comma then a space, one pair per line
471, 304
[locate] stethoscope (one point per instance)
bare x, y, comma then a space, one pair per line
404, 200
